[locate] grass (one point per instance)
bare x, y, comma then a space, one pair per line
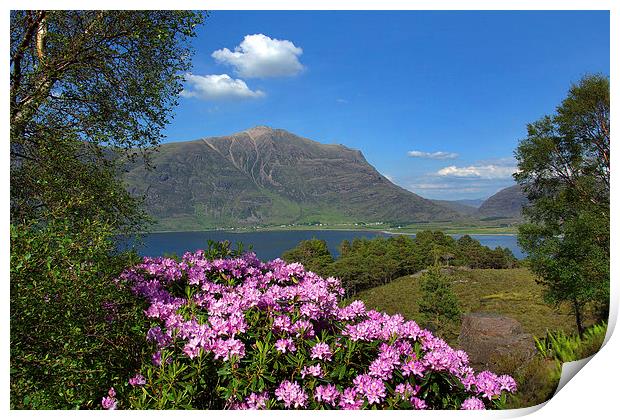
288, 215
511, 292
192, 224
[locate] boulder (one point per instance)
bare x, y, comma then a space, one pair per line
495, 342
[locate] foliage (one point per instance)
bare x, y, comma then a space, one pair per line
538, 379
87, 86
438, 304
513, 293
366, 263
87, 90
564, 348
313, 254
494, 291
564, 170
240, 333
474, 255
71, 328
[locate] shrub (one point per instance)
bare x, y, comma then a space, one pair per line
241, 333
538, 379
567, 348
72, 330
313, 254
438, 304
366, 263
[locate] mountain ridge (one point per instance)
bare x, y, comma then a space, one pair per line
267, 176
507, 203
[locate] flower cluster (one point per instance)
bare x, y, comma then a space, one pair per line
109, 402
278, 338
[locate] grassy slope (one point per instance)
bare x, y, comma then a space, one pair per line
333, 221
513, 293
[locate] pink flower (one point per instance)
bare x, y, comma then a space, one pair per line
507, 383
473, 403
291, 394
312, 371
418, 404
487, 384
156, 358
326, 393
109, 402
137, 380
349, 400
285, 344
381, 368
257, 401
321, 351
229, 298
373, 389
405, 390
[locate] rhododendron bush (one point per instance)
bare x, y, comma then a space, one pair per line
239, 333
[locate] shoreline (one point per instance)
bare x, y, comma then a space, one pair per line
448, 231
459, 233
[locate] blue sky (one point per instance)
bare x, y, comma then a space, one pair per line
400, 86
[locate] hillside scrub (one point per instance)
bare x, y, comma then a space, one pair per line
239, 333
71, 327
438, 304
514, 293
366, 263
539, 379
509, 292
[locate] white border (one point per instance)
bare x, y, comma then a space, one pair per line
593, 391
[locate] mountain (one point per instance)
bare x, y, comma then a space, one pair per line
475, 202
270, 176
505, 203
458, 206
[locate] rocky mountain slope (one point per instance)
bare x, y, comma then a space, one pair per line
458, 207
506, 203
270, 176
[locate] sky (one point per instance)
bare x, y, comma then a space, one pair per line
437, 101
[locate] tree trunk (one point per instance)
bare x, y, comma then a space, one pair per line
578, 318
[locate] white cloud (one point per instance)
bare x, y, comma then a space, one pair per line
261, 56
432, 155
430, 186
444, 187
478, 171
217, 87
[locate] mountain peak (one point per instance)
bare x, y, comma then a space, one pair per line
270, 176
259, 130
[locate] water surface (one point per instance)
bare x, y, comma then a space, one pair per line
270, 245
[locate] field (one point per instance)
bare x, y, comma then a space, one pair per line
511, 292
332, 221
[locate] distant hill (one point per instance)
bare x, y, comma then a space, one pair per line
476, 202
506, 203
458, 206
270, 176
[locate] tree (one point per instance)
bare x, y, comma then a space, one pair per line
438, 304
313, 254
87, 86
88, 90
564, 169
